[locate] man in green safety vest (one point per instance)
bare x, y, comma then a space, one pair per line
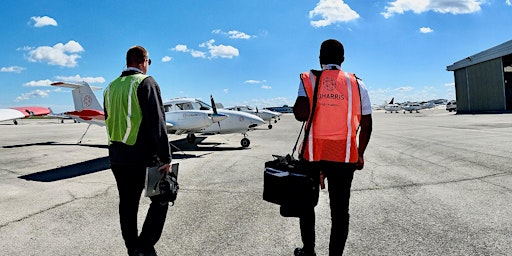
137, 134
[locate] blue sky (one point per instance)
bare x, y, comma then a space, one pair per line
241, 51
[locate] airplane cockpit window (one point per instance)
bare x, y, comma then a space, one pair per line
187, 106
167, 108
203, 106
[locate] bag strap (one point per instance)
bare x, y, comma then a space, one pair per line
317, 73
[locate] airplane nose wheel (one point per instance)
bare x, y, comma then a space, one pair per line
269, 126
191, 138
245, 142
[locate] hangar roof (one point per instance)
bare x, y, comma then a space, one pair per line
489, 54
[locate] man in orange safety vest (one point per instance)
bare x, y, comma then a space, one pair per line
332, 148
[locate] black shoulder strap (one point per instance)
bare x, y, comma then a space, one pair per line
317, 74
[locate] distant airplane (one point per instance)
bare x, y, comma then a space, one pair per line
412, 107
22, 112
265, 114
392, 107
61, 116
89, 110
237, 121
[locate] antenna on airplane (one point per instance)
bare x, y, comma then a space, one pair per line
257, 111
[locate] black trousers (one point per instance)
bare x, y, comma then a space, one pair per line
339, 178
130, 183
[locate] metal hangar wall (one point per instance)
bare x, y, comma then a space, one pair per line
483, 82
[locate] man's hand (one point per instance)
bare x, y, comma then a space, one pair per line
166, 168
360, 163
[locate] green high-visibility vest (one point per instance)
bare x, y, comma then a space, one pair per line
123, 109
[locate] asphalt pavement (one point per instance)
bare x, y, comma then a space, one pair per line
435, 183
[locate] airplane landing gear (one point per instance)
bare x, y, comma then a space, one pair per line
270, 126
245, 142
191, 138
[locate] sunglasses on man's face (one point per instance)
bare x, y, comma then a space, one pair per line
149, 62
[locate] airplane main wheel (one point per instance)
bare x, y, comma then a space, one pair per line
275, 121
191, 138
245, 142
270, 126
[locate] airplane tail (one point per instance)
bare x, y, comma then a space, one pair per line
83, 96
392, 100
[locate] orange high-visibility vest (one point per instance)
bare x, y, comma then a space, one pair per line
333, 131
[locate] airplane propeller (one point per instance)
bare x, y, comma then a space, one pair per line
214, 108
257, 110
213, 105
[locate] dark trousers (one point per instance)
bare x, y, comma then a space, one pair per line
339, 178
130, 183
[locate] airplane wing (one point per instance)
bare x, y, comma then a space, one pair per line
22, 112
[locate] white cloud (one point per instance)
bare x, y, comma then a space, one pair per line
194, 53
234, 34
33, 94
449, 84
252, 81
60, 54
440, 6
198, 54
223, 51
267, 87
332, 11
38, 83
12, 69
508, 2
426, 30
77, 78
226, 91
404, 89
166, 59
43, 21
180, 48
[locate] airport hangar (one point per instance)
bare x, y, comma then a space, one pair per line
483, 82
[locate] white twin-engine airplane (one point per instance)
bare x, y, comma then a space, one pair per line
237, 122
89, 110
265, 114
179, 121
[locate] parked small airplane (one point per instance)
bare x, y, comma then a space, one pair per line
237, 121
22, 112
265, 114
392, 107
89, 110
412, 107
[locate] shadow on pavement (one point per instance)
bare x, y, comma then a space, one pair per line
70, 171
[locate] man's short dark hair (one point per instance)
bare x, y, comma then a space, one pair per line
136, 55
332, 52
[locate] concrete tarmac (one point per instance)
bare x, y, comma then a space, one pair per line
435, 183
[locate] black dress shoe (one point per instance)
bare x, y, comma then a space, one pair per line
302, 252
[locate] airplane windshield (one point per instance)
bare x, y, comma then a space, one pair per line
203, 105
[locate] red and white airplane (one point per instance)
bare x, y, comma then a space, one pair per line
89, 110
22, 112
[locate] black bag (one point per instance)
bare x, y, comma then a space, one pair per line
288, 183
